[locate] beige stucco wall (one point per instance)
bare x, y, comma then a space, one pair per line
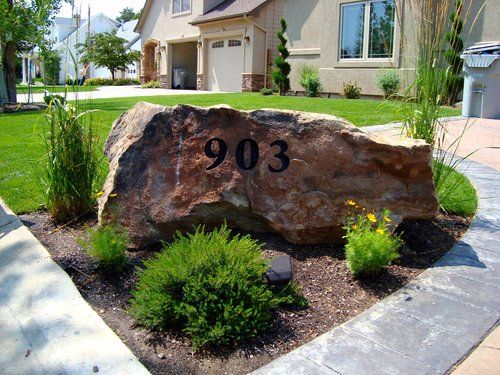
483, 22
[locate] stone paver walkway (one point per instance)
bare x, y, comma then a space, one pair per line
104, 92
45, 325
434, 322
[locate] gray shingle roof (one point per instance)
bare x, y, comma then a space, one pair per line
229, 9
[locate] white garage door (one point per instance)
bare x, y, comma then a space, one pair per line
225, 64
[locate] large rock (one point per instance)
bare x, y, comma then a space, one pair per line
162, 177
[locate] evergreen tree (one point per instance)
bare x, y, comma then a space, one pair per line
282, 70
454, 81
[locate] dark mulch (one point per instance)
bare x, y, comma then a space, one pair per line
335, 295
21, 107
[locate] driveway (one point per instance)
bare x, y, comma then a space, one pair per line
104, 92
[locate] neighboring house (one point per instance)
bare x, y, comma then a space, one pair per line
350, 40
222, 45
126, 31
68, 49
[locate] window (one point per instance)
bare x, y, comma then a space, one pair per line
219, 44
234, 43
367, 30
181, 6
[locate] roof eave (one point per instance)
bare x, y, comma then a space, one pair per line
221, 18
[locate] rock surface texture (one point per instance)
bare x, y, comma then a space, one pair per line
284, 172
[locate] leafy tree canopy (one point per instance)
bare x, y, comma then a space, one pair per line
128, 14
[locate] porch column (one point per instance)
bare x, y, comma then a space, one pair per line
200, 84
30, 78
24, 82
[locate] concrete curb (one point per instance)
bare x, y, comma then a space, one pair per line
430, 325
46, 326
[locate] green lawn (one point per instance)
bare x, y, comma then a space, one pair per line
53, 89
21, 143
457, 195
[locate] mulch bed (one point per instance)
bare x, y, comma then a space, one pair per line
21, 107
335, 295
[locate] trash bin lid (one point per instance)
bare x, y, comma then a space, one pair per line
481, 55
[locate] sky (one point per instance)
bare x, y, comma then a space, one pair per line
110, 8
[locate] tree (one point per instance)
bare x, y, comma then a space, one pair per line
23, 25
127, 14
454, 81
51, 67
282, 70
108, 50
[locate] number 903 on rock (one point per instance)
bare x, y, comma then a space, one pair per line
247, 154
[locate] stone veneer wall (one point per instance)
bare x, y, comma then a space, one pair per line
252, 82
163, 79
199, 82
142, 79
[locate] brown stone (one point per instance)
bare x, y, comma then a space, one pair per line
159, 183
199, 82
252, 82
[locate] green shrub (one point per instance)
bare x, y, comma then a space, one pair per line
125, 82
51, 67
110, 82
351, 90
370, 243
107, 246
72, 161
389, 82
151, 85
310, 81
266, 92
71, 82
210, 285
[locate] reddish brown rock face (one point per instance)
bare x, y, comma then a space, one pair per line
286, 172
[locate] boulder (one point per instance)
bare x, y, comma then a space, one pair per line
266, 171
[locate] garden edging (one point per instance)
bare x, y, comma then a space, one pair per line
431, 324
47, 327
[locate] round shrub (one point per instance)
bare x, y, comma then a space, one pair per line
266, 92
209, 285
389, 82
310, 81
351, 90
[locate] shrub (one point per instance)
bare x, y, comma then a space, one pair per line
265, 91
110, 82
72, 161
370, 243
210, 285
309, 80
389, 82
71, 82
151, 85
107, 246
351, 90
51, 67
282, 68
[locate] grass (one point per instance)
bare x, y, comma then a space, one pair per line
23, 90
457, 195
21, 141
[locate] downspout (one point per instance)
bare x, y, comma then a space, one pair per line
265, 46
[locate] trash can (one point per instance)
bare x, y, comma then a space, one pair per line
179, 78
481, 96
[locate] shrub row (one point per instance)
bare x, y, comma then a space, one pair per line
110, 82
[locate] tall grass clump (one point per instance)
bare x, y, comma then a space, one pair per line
72, 161
389, 82
211, 286
310, 81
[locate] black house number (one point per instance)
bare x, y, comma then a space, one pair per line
216, 148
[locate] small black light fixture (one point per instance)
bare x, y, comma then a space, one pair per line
199, 44
246, 39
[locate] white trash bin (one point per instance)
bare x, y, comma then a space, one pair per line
481, 96
179, 78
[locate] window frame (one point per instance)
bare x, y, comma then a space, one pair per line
234, 45
366, 34
215, 44
181, 12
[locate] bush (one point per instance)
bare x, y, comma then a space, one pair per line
309, 80
389, 82
71, 82
72, 161
107, 246
151, 85
370, 244
351, 90
51, 68
110, 82
265, 91
210, 285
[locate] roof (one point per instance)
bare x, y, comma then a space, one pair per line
126, 31
229, 9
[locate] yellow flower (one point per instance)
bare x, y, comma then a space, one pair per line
380, 231
114, 195
354, 227
350, 202
99, 195
387, 219
370, 216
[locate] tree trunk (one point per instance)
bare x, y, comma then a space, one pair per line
10, 71
3, 87
112, 74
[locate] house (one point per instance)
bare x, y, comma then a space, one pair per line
221, 45
126, 31
231, 45
350, 40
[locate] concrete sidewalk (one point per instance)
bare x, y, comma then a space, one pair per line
105, 92
45, 325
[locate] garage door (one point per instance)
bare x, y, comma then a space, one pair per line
225, 64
